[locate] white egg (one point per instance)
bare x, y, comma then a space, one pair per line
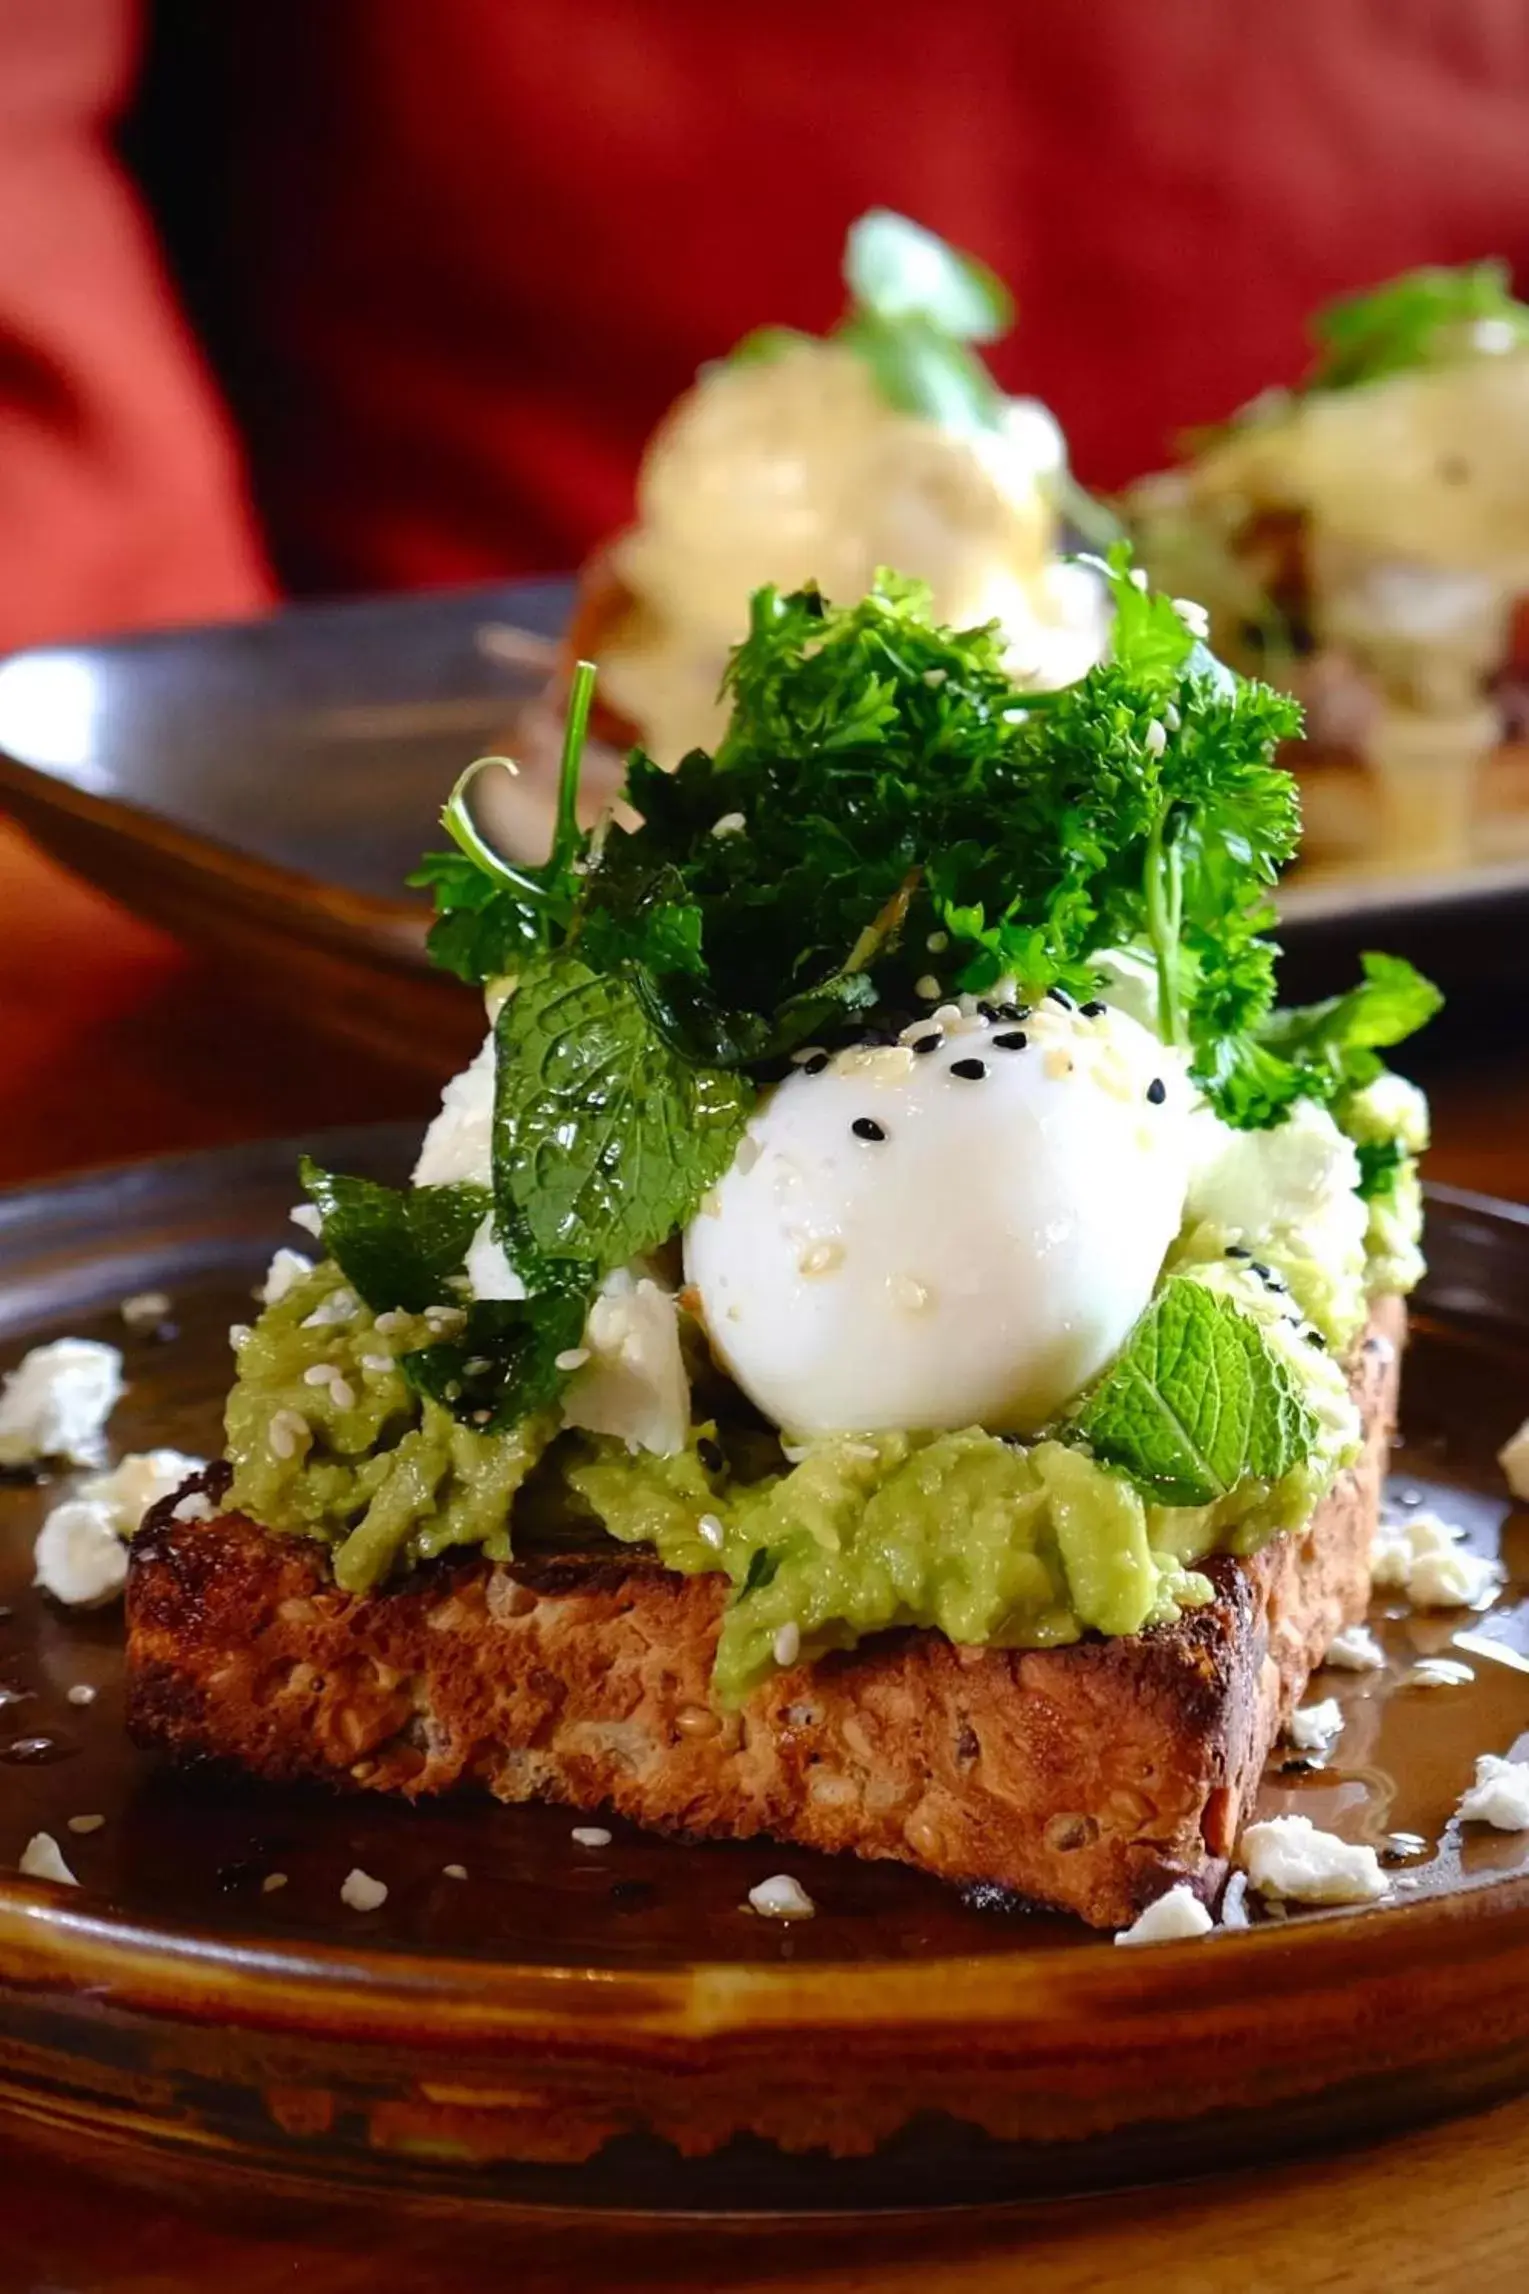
978, 1255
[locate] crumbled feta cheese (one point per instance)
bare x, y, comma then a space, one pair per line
361, 1892
487, 1268
730, 824
1437, 1673
309, 1217
782, 1898
196, 1505
1172, 1919
1513, 1457
458, 1147
80, 1556
56, 1401
1314, 1727
341, 1305
42, 1859
591, 1836
285, 1269
634, 1384
145, 1309
1422, 1556
1499, 1796
1234, 1901
1355, 1650
1288, 1856
81, 1693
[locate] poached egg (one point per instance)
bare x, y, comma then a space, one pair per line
959, 1228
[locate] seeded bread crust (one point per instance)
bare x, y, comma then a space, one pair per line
1088, 1778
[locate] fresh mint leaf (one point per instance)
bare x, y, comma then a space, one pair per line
503, 1365
1198, 1402
605, 1138
898, 270
482, 930
921, 370
397, 1247
1428, 317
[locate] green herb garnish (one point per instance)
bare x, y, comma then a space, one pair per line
1430, 317
396, 1246
1198, 1402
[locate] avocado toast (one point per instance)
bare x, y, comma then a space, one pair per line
891, 1345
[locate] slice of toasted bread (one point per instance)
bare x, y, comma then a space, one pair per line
1088, 1777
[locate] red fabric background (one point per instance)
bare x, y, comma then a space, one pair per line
475, 247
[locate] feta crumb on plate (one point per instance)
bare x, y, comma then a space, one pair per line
42, 1859
782, 1898
1513, 1457
56, 1401
1355, 1650
1424, 1557
361, 1892
1173, 1918
308, 1217
285, 1269
81, 1551
1499, 1796
145, 1309
591, 1836
1314, 1727
1288, 1856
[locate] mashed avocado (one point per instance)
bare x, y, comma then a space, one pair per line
986, 1540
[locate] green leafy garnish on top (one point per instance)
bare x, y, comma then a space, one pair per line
1430, 317
398, 1247
1198, 1402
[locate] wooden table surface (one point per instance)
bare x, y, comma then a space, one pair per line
116, 1043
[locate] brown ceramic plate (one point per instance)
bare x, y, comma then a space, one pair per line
608, 2026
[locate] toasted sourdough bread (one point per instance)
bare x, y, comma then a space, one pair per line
1089, 1777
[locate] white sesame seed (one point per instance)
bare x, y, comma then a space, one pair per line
731, 824
286, 1431
342, 1394
1139, 577
83, 1824
390, 1322
321, 1373
454, 1871
377, 1362
1155, 739
909, 1293
571, 1358
591, 1836
948, 1014
1171, 717
937, 943
361, 1892
271, 1882
928, 989
788, 1643
481, 1417
1193, 615
935, 678
196, 1505
341, 1305
237, 1334
917, 1030
710, 1530
81, 1693
820, 1258
781, 1898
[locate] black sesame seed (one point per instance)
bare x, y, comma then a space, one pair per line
1060, 996
1237, 1251
969, 1070
710, 1454
1093, 1011
1157, 1091
927, 1042
1315, 1338
816, 1064
987, 1011
1014, 1040
866, 1127
1256, 1266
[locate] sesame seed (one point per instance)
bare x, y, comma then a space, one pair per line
820, 1258
908, 1292
1157, 1091
866, 1127
145, 1309
81, 1694
969, 1070
1094, 1010
948, 1014
481, 1417
237, 1334
377, 1362
816, 1064
1315, 1338
928, 989
320, 1373
454, 1871
710, 1454
1256, 1266
286, 1430
86, 1823
391, 1321
709, 1529
571, 1358
271, 1882
937, 943
1013, 1039
1060, 996
1155, 739
591, 1836
925, 1042
1238, 1251
1193, 615
731, 824
342, 1394
788, 1643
